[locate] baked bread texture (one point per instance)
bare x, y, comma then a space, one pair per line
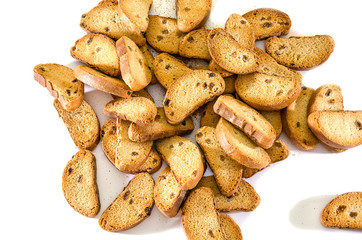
149, 61
241, 30
213, 66
136, 12
326, 97
208, 116
61, 84
79, 183
194, 45
231, 228
191, 14
275, 119
82, 124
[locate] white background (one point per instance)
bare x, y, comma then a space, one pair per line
36, 145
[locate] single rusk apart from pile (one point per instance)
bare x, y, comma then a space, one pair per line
294, 119
189, 92
230, 55
133, 205
184, 159
82, 124
240, 147
250, 121
159, 128
136, 12
226, 170
300, 52
133, 64
344, 211
191, 14
128, 155
168, 193
61, 84
79, 183
139, 110
231, 228
199, 218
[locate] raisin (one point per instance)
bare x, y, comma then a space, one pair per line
187, 9
172, 195
208, 141
245, 58
83, 25
75, 80
211, 86
353, 214
70, 170
243, 22
211, 234
204, 85
134, 153
199, 135
167, 66
126, 194
106, 29
190, 39
268, 80
131, 201
68, 92
159, 38
180, 143
341, 209
211, 75
79, 178
164, 21
90, 40
42, 69
212, 36
183, 123
167, 102
148, 211
222, 158
154, 160
267, 25
194, 173
84, 15
98, 49
298, 124
102, 133
140, 61
358, 124
165, 31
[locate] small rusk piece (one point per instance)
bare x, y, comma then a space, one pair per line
231, 228
191, 14
300, 52
79, 183
294, 119
139, 110
189, 92
239, 146
82, 124
132, 206
61, 84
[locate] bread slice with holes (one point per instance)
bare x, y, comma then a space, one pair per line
231, 228
136, 12
79, 183
344, 211
61, 84
268, 22
82, 124
184, 159
208, 116
250, 121
125, 155
168, 68
244, 199
194, 45
105, 19
159, 128
294, 119
132, 206
226, 170
189, 92
275, 119
267, 92
168, 193
162, 34
149, 61
101, 81
300, 52
337, 129
326, 97
230, 55
133, 64
200, 219
239, 146
139, 110
241, 30
191, 14
98, 51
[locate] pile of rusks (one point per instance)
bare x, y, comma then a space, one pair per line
246, 96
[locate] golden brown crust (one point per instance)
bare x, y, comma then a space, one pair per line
194, 45
191, 14
231, 228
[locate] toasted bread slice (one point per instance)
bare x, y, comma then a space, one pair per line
231, 228
300, 52
326, 97
163, 35
189, 92
133, 205
194, 45
184, 159
244, 199
82, 124
149, 61
134, 69
271, 67
136, 12
200, 219
79, 183
268, 22
267, 92
230, 55
139, 110
250, 121
61, 84
105, 19
344, 211
213, 66
159, 128
239, 146
126, 156
241, 30
141, 93
337, 129
168, 68
102, 82
98, 51
294, 119
275, 119
226, 170
168, 193
191, 14
208, 116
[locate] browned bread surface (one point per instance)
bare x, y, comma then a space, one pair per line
275, 119
241, 30
194, 45
208, 116
136, 11
231, 228
213, 66
149, 61
190, 13
326, 97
